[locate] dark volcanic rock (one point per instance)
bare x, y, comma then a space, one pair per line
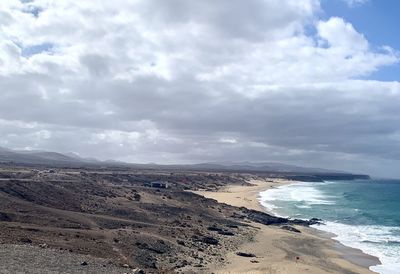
4, 217
158, 247
137, 196
25, 240
220, 231
146, 260
263, 218
210, 240
290, 228
266, 219
314, 221
213, 228
226, 233
244, 254
182, 264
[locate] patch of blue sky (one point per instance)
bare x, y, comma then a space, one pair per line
377, 20
37, 49
31, 8
387, 73
35, 11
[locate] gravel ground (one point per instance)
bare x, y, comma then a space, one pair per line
18, 259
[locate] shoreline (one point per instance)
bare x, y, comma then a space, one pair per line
280, 251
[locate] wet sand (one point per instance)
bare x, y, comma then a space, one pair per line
281, 251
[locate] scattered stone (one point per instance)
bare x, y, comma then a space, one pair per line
244, 254
43, 245
158, 247
126, 265
254, 261
226, 233
33, 229
4, 217
138, 271
290, 228
182, 264
213, 228
84, 263
210, 241
25, 240
238, 216
137, 196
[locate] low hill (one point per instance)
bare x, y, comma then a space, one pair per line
37, 157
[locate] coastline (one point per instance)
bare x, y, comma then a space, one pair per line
281, 251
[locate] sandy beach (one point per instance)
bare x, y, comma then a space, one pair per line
282, 251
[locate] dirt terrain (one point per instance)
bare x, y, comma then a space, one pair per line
117, 216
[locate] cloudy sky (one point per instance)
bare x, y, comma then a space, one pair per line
306, 82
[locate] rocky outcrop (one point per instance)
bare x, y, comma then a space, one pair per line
244, 254
266, 219
210, 240
290, 228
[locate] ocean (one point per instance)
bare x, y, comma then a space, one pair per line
364, 214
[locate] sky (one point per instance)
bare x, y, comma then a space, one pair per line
306, 82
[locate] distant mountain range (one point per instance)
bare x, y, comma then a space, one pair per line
37, 157
265, 166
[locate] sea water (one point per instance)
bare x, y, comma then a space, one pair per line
364, 214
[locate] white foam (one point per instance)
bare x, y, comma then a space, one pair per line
371, 239
303, 206
303, 192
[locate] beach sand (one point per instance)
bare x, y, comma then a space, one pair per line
282, 251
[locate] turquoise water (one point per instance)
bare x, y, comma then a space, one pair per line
364, 214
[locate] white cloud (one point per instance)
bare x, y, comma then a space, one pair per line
228, 140
340, 34
354, 3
